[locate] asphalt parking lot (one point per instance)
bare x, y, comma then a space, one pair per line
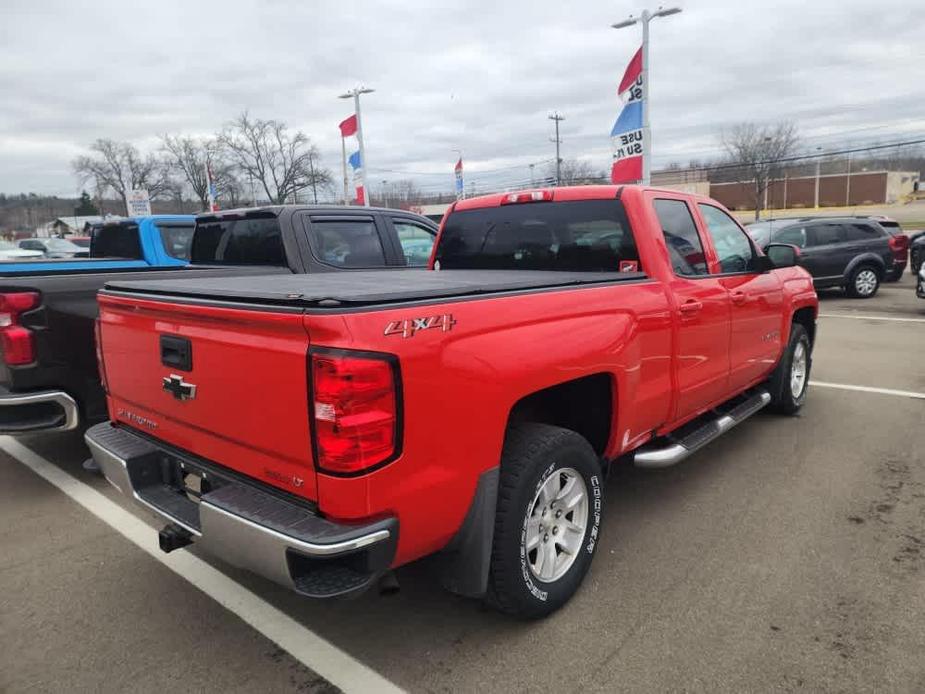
789, 555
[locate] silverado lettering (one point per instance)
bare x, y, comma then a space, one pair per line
591, 325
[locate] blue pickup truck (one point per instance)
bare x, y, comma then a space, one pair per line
161, 240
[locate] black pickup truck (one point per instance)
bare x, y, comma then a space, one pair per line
48, 371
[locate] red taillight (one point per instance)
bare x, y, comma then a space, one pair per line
529, 196
900, 242
101, 367
355, 410
16, 341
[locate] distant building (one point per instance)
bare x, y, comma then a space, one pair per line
865, 188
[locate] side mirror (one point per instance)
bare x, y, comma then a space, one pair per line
782, 254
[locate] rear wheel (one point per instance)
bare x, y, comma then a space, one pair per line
864, 282
547, 522
790, 379
915, 260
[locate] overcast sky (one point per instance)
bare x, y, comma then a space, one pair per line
473, 75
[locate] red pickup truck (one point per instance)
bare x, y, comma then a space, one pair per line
322, 429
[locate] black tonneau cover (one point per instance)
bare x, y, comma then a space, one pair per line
363, 288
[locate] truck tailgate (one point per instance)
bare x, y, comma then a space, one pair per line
227, 383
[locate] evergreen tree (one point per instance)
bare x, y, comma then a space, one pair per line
85, 206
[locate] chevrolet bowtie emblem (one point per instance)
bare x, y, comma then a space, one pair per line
176, 386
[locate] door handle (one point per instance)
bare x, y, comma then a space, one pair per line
738, 298
690, 307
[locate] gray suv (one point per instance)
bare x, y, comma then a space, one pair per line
847, 252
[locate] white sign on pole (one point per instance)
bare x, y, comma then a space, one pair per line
139, 203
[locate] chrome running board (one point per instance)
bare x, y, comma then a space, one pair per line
677, 449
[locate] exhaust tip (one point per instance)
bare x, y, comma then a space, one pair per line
173, 537
388, 584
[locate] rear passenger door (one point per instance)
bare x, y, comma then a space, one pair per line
825, 255
863, 237
348, 242
702, 312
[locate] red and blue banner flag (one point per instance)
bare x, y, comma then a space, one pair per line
627, 132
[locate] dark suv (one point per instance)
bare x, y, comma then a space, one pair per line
850, 252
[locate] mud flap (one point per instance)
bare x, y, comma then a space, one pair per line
465, 560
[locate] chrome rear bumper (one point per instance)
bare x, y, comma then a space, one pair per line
245, 524
46, 410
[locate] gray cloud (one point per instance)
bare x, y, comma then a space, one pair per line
478, 76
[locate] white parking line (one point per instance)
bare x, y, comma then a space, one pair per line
304, 645
869, 389
886, 318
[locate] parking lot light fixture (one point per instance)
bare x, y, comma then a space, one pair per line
644, 19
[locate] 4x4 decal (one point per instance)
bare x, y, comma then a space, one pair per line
409, 327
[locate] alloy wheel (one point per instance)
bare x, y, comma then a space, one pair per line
798, 371
866, 282
555, 525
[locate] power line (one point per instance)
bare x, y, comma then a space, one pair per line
802, 157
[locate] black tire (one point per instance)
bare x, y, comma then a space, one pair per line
533, 454
854, 282
915, 262
783, 399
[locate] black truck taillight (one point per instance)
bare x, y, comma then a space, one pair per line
17, 341
356, 410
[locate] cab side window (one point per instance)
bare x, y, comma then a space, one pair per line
733, 247
416, 242
684, 245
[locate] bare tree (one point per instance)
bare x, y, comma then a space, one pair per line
758, 151
121, 167
575, 172
282, 163
188, 157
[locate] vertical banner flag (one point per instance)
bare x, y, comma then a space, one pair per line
627, 133
348, 128
458, 171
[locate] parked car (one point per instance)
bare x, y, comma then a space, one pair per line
53, 247
920, 283
321, 429
849, 252
10, 251
48, 373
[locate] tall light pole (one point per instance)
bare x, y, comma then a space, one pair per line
355, 95
645, 18
557, 118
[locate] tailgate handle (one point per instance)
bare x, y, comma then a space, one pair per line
176, 352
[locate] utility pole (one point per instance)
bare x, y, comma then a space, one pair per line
355, 95
557, 118
532, 179
818, 165
645, 18
848, 182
